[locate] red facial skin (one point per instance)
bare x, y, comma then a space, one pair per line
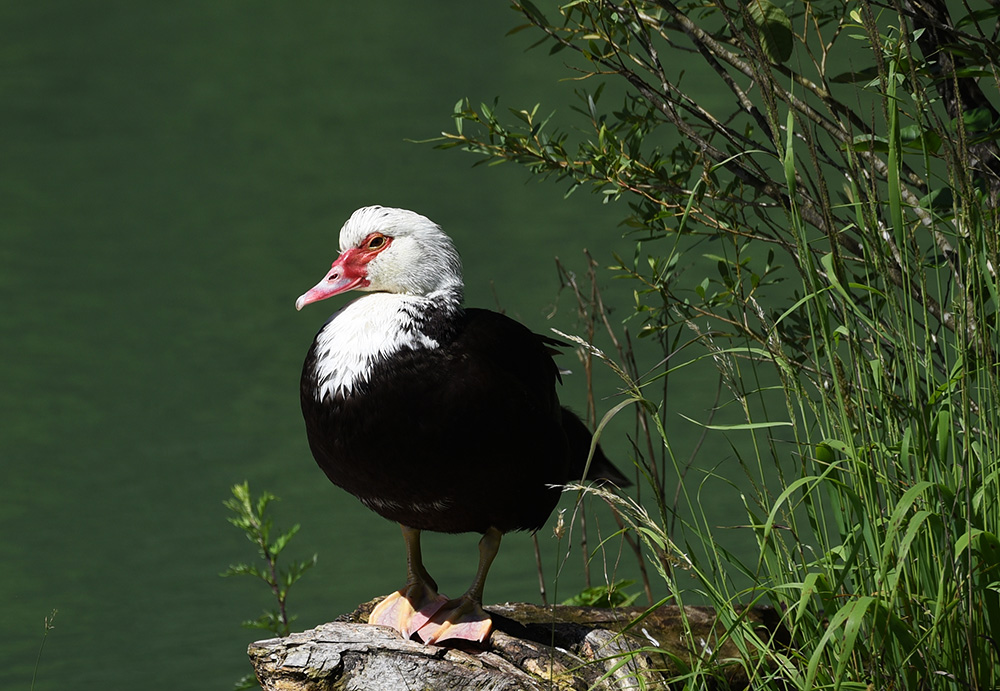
348, 272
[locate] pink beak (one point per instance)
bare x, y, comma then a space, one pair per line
347, 273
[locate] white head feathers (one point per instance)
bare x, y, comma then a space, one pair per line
421, 260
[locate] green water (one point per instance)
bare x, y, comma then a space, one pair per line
172, 176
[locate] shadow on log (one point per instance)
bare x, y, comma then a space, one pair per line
532, 647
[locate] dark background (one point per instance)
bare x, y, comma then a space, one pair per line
172, 177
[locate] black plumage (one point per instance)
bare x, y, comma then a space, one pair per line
458, 438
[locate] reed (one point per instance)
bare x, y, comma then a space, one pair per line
49, 624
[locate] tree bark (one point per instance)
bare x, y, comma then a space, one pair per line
531, 648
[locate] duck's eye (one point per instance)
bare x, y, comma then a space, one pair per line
376, 241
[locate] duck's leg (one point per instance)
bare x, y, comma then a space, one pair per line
465, 618
409, 608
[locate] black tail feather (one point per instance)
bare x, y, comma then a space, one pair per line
579, 437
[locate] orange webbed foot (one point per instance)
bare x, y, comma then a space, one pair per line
408, 609
461, 619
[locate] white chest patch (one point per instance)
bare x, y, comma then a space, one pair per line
371, 328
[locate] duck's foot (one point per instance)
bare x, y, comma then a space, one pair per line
408, 609
461, 619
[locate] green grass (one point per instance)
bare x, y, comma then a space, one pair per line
830, 261
49, 625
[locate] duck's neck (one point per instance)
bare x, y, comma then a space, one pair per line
373, 328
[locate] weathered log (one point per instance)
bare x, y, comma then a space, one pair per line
531, 648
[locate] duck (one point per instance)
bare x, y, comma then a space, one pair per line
436, 416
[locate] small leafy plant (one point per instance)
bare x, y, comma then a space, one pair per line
612, 595
251, 517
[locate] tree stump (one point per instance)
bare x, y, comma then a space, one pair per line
532, 648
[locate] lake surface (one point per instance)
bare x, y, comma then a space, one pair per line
173, 176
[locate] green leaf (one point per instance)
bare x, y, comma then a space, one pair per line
943, 433
247, 681
940, 199
296, 570
774, 29
282, 540
268, 621
978, 16
976, 120
243, 570
866, 75
824, 453
742, 426
972, 72
868, 142
532, 12
916, 137
848, 618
